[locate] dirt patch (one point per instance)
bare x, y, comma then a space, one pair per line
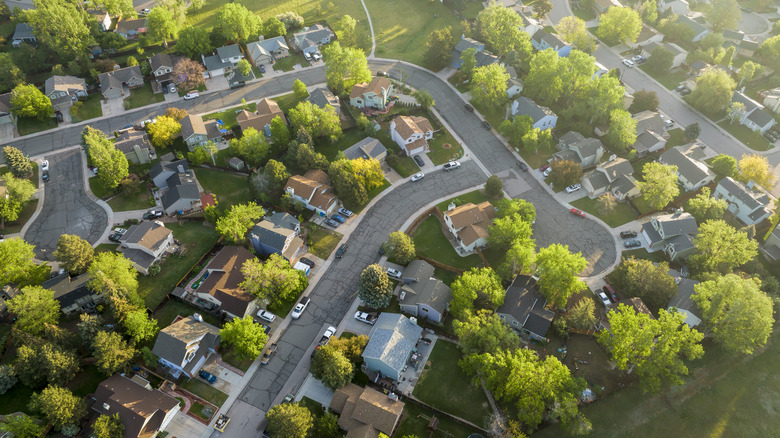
446, 146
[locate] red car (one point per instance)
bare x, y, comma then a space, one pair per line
543, 168
611, 293
576, 212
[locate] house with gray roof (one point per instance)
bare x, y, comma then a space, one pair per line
771, 247
543, 40
543, 117
184, 346
161, 171
23, 33
277, 234
7, 118
673, 233
267, 51
647, 35
145, 243
162, 65
422, 295
367, 148
113, 83
699, 29
679, 7
73, 294
692, 174
222, 285
195, 132
514, 85
573, 146
183, 193
649, 121
482, 56
64, 90
682, 301
748, 203
747, 48
390, 344
753, 115
135, 145
524, 309
323, 97
614, 176
309, 40
648, 142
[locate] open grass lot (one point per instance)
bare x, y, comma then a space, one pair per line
430, 241
26, 125
753, 140
620, 215
475, 197
472, 9
196, 239
86, 109
493, 114
444, 148
415, 421
287, 101
288, 62
230, 189
321, 240
401, 27
139, 201
586, 14
204, 391
726, 396
670, 80
142, 96
167, 313
228, 116
445, 386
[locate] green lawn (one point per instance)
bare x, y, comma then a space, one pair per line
641, 253
16, 399
415, 421
287, 101
493, 114
586, 14
494, 256
472, 9
99, 189
204, 391
167, 313
445, 386
642, 205
377, 190
201, 411
475, 197
230, 189
321, 240
670, 80
287, 63
27, 125
24, 216
142, 96
751, 139
676, 138
106, 247
405, 166
139, 201
228, 116
429, 240
331, 149
86, 109
458, 80
196, 239
230, 356
620, 215
440, 154
86, 381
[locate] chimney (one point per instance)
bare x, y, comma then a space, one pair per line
451, 206
106, 406
677, 212
180, 168
750, 184
197, 317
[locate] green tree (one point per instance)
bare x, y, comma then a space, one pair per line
649, 11
193, 41
118, 7
34, 308
374, 287
647, 280
108, 426
557, 269
484, 332
199, 155
112, 352
320, 122
488, 85
275, 173
289, 420
735, 112
438, 48
499, 28
330, 366
622, 130
62, 26
572, 29
21, 426
704, 207
606, 203
643, 100
424, 98
565, 173
725, 165
236, 23
164, 131
583, 315
399, 247
245, 336
18, 193
345, 30
604, 95
756, 168
273, 27
692, 131
88, 328
58, 406
468, 62
721, 248
511, 207
476, 289
519, 259
303, 157
291, 20
10, 75
162, 25
244, 67
74, 253
542, 8
661, 60
344, 67
544, 83
724, 14
507, 230
139, 327
713, 91
18, 261
30, 102
7, 380
352, 347
20, 165
655, 348
274, 281
114, 275
660, 184
748, 71
327, 426
515, 129
349, 189
619, 25
299, 89
112, 163
45, 362
280, 133
239, 220
494, 187
252, 147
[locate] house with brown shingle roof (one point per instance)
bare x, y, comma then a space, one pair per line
131, 29
222, 285
411, 133
195, 132
64, 90
313, 190
135, 145
365, 412
267, 110
184, 346
145, 243
469, 223
371, 95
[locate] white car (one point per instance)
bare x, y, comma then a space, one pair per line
44, 165
300, 307
637, 58
573, 188
145, 11
604, 300
344, 212
547, 172
418, 176
191, 95
307, 56
452, 165
316, 56
628, 63
266, 315
394, 273
365, 317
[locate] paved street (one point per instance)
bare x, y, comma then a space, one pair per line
66, 207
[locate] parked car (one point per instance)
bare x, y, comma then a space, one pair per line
262, 68
641, 60
365, 317
628, 234
45, 176
611, 293
307, 262
207, 376
604, 300
288, 398
469, 108
344, 212
171, 88
628, 63
300, 307
543, 168
191, 95
636, 58
577, 212
45, 165
331, 223
307, 56
145, 11
266, 315
632, 243
338, 218
154, 214
547, 172
486, 125
573, 188
522, 166
418, 159
114, 237
451, 165
239, 84
342, 249
418, 176
316, 56
269, 351
685, 92
381, 73
120, 231
394, 273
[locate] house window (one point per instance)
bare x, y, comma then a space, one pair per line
190, 356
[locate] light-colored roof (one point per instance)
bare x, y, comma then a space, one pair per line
127, 141
149, 235
469, 214
376, 86
527, 107
225, 277
173, 341
752, 199
267, 111
408, 125
369, 147
266, 47
392, 340
125, 26
693, 170
64, 83
192, 125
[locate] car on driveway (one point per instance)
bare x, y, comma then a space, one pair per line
331, 223
604, 300
288, 398
418, 159
45, 165
417, 177
381, 73
393, 273
611, 293
342, 249
451, 165
577, 212
316, 56
114, 237
266, 315
338, 218
307, 262
154, 214
191, 95
145, 10
628, 234
632, 243
269, 351
344, 212
573, 188
300, 307
636, 58
628, 63
307, 56
171, 88
547, 172
486, 125
365, 317
207, 376
45, 176
685, 92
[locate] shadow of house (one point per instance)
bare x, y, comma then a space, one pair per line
524, 309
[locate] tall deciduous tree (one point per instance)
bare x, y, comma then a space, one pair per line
424, 98
661, 60
319, 122
438, 48
721, 248
164, 131
499, 28
660, 185
7, 380
374, 287
507, 230
488, 85
619, 24
139, 327
606, 203
484, 332
494, 187
58, 406
332, 367
114, 275
565, 173
724, 14
510, 207
468, 62
713, 91
345, 181
193, 41
273, 281
622, 130
17, 260
22, 426
289, 420
280, 133
344, 67
18, 193
756, 168
34, 308
476, 289
10, 74
239, 220
583, 315
62, 26
118, 7
112, 352
44, 363
299, 88
543, 83
236, 23
28, 101
345, 29
20, 165
74, 253
704, 207
245, 336
643, 100
399, 247
252, 147
189, 75
647, 280
108, 426
273, 27
557, 268
112, 163
692, 131
515, 129
519, 259
162, 25
725, 165
572, 29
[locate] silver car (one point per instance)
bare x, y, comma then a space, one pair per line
266, 315
604, 299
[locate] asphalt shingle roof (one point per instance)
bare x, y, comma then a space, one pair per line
392, 340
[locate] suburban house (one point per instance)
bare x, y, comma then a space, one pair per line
113, 83
574, 146
747, 48
313, 191
7, 118
647, 36
529, 23
367, 148
411, 133
102, 17
162, 68
734, 36
23, 33
366, 412
260, 120
131, 29
422, 295
73, 294
391, 343
772, 100
543, 40
195, 132
469, 224
267, 51
374, 94
699, 29
673, 233
697, 68
514, 85
135, 145
753, 115
64, 90
543, 118
602, 6
649, 121
185, 345
310, 39
183, 193
323, 97
648, 142
482, 57
524, 309
692, 174
682, 301
277, 234
143, 411
221, 285
145, 243
222, 62
679, 54
771, 247
614, 176
678, 7
163, 170
747, 202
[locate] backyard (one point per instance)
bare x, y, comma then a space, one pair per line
173, 308
229, 188
415, 422
331, 149
321, 240
86, 109
142, 96
475, 197
229, 115
621, 214
430, 242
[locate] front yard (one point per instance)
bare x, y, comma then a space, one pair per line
321, 240
670, 79
229, 115
495, 115
288, 62
138, 201
142, 96
288, 101
444, 148
430, 242
620, 215
229, 188
26, 125
89, 108
204, 391
753, 140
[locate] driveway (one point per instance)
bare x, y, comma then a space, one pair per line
66, 207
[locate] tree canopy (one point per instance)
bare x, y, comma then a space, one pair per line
319, 122
30, 102
74, 253
238, 220
332, 367
619, 25
58, 406
713, 92
245, 336
236, 23
647, 280
484, 332
161, 24
163, 131
660, 185
289, 420
112, 352
252, 147
721, 248
724, 14
112, 163
374, 287
499, 28
756, 168
17, 263
704, 207
438, 48
344, 67
274, 281
62, 26
34, 308
400, 248
622, 130
558, 268
193, 41
479, 288
488, 85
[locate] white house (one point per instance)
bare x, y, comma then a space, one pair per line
692, 174
411, 133
772, 100
753, 115
374, 94
145, 243
310, 39
469, 223
543, 118
514, 85
748, 203
313, 191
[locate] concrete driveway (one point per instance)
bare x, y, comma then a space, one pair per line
66, 207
